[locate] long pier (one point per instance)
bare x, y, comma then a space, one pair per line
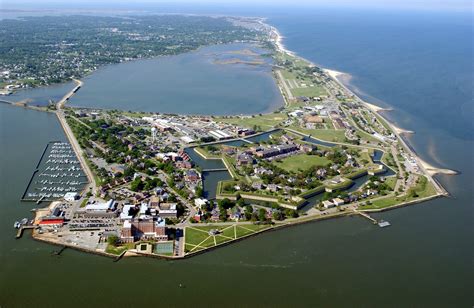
373, 220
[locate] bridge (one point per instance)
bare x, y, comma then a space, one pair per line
215, 169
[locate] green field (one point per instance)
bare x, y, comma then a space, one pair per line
198, 238
117, 250
203, 151
301, 162
336, 135
263, 122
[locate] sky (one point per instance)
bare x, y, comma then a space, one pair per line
458, 5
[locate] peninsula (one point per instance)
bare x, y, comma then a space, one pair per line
172, 186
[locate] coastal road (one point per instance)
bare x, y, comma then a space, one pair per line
92, 186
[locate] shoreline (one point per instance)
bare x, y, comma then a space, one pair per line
277, 227
428, 170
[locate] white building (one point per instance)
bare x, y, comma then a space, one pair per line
71, 196
200, 202
101, 207
126, 212
328, 204
296, 113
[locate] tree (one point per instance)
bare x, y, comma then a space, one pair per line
262, 214
113, 240
278, 215
136, 185
129, 171
226, 203
199, 192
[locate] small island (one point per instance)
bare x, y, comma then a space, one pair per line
172, 186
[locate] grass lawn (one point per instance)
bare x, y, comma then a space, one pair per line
205, 152
265, 121
391, 181
382, 203
302, 162
119, 249
194, 236
308, 91
337, 135
198, 238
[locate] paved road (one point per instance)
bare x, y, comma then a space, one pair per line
285, 86
92, 186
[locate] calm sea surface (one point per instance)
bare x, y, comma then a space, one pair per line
191, 83
421, 65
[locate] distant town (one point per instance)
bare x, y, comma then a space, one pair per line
171, 186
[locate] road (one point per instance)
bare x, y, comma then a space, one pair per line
92, 186
285, 86
192, 210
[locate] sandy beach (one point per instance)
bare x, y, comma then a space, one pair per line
278, 42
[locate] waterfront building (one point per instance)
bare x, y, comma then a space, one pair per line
71, 196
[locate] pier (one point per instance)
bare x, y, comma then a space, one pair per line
381, 223
373, 220
19, 233
40, 199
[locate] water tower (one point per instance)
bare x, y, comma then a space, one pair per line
153, 134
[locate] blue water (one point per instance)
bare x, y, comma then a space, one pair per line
418, 63
192, 83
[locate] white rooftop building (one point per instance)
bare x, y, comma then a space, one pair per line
126, 212
71, 196
101, 207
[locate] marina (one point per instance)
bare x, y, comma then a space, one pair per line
58, 172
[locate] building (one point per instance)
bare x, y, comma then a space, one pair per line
142, 230
154, 202
168, 210
338, 201
244, 159
200, 202
126, 235
71, 196
278, 150
245, 132
296, 113
192, 176
108, 206
128, 212
328, 204
52, 221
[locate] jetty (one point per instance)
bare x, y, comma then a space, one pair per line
365, 215
19, 233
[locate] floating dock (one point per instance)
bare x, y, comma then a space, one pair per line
383, 224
